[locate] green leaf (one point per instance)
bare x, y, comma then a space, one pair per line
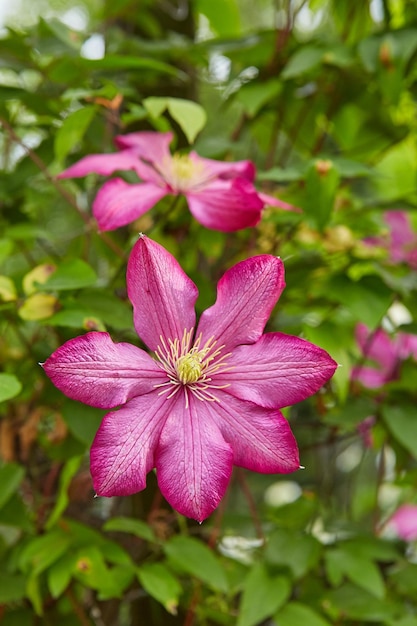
195, 558
119, 62
38, 306
71, 274
160, 583
14, 513
10, 387
42, 551
60, 574
155, 105
82, 420
105, 306
33, 280
401, 422
263, 594
223, 16
302, 61
281, 175
7, 289
91, 570
255, 95
355, 603
189, 115
62, 500
404, 579
72, 131
408, 620
359, 569
12, 587
351, 169
321, 184
11, 475
336, 341
298, 614
295, 550
129, 525
339, 55
395, 172
353, 294
6, 248
33, 592
76, 318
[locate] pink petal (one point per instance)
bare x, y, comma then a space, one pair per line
151, 174
123, 449
272, 201
261, 438
104, 164
162, 295
404, 521
407, 346
378, 346
370, 377
118, 203
246, 295
94, 370
193, 462
149, 145
226, 205
276, 371
401, 233
225, 169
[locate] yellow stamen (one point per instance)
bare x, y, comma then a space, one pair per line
189, 368
182, 173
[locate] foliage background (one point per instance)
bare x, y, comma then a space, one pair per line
321, 95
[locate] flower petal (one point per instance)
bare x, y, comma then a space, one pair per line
149, 145
162, 295
226, 205
122, 452
369, 376
94, 370
272, 201
407, 346
378, 346
104, 164
401, 233
118, 203
261, 438
246, 295
276, 371
404, 522
225, 169
193, 462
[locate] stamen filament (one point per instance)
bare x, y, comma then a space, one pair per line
191, 366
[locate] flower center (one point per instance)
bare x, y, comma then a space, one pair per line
182, 173
191, 367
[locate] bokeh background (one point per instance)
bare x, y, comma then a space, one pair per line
322, 96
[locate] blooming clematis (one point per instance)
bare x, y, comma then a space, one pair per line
386, 352
220, 195
207, 399
404, 522
401, 241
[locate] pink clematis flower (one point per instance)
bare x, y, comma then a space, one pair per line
401, 241
386, 352
404, 522
220, 195
208, 399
